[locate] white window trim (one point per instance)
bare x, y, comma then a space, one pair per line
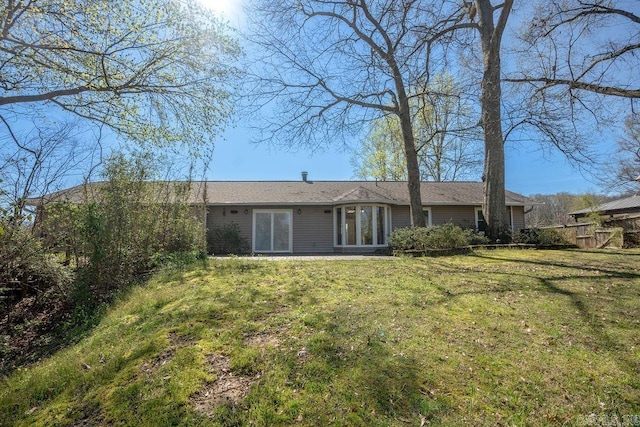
511, 222
475, 217
254, 229
428, 209
343, 214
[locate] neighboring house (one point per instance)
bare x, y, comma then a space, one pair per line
327, 216
600, 226
623, 213
617, 209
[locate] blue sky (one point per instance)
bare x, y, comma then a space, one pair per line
236, 157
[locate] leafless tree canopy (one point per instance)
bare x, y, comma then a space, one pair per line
40, 161
622, 173
332, 66
587, 46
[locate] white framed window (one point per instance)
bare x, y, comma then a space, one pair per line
428, 220
361, 225
272, 230
481, 225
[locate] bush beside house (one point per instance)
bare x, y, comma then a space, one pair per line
56, 282
226, 239
444, 239
450, 238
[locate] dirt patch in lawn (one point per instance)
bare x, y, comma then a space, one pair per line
227, 389
262, 340
176, 342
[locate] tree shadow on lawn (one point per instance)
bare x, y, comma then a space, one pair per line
608, 252
603, 340
612, 272
354, 370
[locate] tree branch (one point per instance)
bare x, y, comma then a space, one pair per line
572, 84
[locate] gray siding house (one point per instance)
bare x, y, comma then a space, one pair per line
325, 216
340, 216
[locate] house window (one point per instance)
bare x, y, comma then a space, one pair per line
427, 216
361, 225
338, 226
366, 225
350, 225
481, 225
272, 230
510, 214
381, 225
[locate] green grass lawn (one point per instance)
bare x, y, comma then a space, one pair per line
505, 337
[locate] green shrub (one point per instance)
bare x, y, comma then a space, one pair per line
35, 293
447, 236
541, 237
226, 239
632, 239
409, 238
129, 226
26, 269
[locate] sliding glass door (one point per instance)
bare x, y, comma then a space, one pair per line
272, 230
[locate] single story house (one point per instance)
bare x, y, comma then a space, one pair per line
329, 216
622, 213
621, 208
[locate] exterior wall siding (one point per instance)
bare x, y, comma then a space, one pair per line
463, 216
313, 227
518, 218
400, 217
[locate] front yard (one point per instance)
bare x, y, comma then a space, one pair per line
505, 337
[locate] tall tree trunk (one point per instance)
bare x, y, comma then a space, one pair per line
494, 206
413, 167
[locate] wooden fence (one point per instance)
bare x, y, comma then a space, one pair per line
589, 235
630, 223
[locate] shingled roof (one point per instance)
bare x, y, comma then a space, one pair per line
620, 206
309, 193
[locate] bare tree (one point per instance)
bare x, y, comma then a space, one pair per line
486, 21
580, 51
623, 171
445, 134
332, 66
494, 206
629, 148
581, 77
553, 209
37, 161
